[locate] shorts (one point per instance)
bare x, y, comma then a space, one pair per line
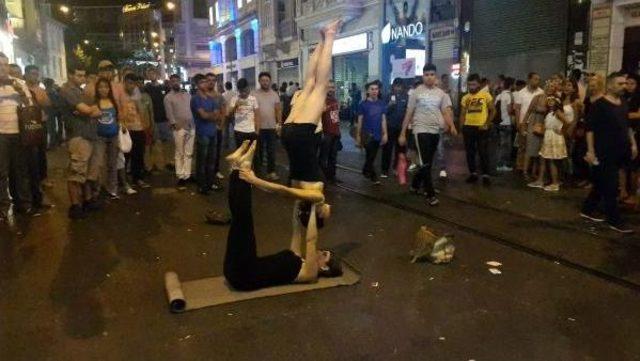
83, 165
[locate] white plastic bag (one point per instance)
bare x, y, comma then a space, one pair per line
124, 140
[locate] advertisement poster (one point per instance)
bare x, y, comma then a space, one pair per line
404, 35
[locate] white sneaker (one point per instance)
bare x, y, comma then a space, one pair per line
552, 188
443, 174
219, 175
412, 168
131, 191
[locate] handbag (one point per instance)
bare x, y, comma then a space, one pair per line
30, 121
124, 140
538, 129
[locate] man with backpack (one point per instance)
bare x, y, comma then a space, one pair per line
505, 122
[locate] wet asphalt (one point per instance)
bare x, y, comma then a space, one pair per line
93, 289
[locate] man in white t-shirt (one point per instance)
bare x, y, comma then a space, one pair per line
245, 107
522, 100
505, 128
13, 93
429, 111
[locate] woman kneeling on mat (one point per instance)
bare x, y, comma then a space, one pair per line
243, 269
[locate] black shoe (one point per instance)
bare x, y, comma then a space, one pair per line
620, 227
76, 212
29, 212
91, 206
203, 191
433, 201
472, 178
216, 187
592, 216
182, 183
486, 181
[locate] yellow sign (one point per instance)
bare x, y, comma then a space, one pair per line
135, 7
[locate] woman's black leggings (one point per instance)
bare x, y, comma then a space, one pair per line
243, 269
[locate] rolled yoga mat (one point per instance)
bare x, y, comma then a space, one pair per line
213, 291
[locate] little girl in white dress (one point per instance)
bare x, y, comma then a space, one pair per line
554, 148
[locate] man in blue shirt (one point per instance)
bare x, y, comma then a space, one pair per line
372, 128
207, 114
396, 109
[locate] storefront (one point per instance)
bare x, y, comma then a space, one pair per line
350, 63
288, 71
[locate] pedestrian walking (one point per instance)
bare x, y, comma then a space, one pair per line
330, 144
429, 108
397, 103
371, 131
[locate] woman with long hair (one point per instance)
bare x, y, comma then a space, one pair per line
107, 145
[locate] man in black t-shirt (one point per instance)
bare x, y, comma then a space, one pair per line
610, 145
161, 150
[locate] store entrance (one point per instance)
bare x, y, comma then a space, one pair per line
631, 54
350, 69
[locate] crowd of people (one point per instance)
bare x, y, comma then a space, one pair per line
120, 127
576, 131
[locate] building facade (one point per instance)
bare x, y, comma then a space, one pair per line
615, 36
188, 37
279, 48
55, 66
235, 45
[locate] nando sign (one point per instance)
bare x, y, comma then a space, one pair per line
392, 34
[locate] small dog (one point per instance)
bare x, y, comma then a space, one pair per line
436, 249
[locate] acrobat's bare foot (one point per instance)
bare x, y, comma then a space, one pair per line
332, 28
234, 158
246, 160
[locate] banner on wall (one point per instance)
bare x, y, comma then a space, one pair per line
403, 68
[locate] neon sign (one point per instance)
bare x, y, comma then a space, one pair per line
391, 34
135, 7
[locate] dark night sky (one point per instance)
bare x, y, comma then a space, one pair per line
101, 2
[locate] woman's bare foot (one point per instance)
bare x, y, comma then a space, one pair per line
332, 28
234, 157
246, 160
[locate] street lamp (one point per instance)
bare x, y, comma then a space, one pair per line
156, 44
86, 42
154, 34
64, 9
171, 5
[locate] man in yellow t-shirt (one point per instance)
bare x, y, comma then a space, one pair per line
476, 118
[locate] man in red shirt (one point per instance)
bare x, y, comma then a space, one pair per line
330, 135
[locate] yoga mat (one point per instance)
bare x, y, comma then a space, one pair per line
213, 291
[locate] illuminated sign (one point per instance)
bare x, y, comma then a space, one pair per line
350, 44
135, 7
393, 33
291, 63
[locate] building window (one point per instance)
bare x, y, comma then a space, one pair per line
200, 9
239, 4
216, 53
248, 45
230, 49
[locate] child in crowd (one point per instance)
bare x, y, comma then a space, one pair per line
554, 148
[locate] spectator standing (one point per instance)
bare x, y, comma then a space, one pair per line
523, 100
476, 118
54, 123
107, 144
229, 121
371, 131
213, 92
37, 155
146, 112
162, 140
13, 160
177, 104
396, 109
506, 114
330, 135
80, 119
610, 143
244, 108
207, 114
270, 111
135, 117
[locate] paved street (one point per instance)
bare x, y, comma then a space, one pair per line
93, 289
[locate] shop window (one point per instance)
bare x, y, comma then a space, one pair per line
442, 10
248, 46
230, 49
200, 9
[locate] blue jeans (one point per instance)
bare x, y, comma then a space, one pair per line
205, 160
